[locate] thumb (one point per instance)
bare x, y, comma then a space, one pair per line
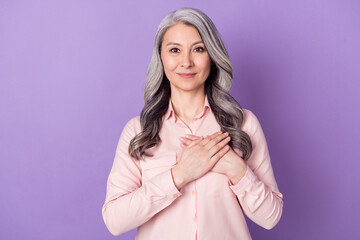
195, 141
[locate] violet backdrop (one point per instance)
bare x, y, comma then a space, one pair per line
72, 74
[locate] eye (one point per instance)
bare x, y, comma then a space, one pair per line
199, 49
174, 50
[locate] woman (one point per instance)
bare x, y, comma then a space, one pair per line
194, 160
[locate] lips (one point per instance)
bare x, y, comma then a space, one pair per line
186, 75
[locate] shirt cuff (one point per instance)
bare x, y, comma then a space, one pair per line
244, 183
165, 180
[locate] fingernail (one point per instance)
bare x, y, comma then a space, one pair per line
226, 134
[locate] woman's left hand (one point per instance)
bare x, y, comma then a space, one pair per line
231, 164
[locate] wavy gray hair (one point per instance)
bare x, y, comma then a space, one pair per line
226, 109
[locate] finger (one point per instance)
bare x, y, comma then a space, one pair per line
216, 157
218, 146
192, 137
182, 139
214, 140
185, 141
216, 133
210, 137
195, 142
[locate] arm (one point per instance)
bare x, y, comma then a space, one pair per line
257, 190
252, 181
129, 203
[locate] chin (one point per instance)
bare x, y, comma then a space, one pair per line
189, 87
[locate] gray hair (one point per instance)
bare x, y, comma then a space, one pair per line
226, 109
210, 37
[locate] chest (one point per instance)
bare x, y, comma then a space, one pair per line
168, 152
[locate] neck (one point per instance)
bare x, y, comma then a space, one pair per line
187, 104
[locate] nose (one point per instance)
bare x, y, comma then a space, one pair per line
186, 60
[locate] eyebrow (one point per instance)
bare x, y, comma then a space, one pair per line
175, 43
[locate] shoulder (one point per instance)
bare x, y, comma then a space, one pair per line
133, 123
250, 122
132, 128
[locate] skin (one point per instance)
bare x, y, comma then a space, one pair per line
182, 51
231, 164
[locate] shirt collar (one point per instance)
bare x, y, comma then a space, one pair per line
170, 113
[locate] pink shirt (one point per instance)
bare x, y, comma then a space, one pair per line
142, 193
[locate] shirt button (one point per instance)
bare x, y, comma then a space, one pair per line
175, 195
193, 192
194, 219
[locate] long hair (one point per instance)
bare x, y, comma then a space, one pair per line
226, 109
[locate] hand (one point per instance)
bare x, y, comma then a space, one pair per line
199, 157
231, 164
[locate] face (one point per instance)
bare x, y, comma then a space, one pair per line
186, 61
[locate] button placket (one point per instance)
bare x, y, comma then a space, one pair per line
194, 196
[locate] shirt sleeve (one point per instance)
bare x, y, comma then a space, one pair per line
257, 191
129, 203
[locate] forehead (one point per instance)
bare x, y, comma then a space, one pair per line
181, 33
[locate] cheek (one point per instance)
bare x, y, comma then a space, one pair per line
205, 64
169, 63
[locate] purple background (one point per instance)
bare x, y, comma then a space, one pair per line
72, 74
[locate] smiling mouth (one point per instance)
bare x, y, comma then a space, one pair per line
186, 75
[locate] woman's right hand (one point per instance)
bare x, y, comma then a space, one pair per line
199, 157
